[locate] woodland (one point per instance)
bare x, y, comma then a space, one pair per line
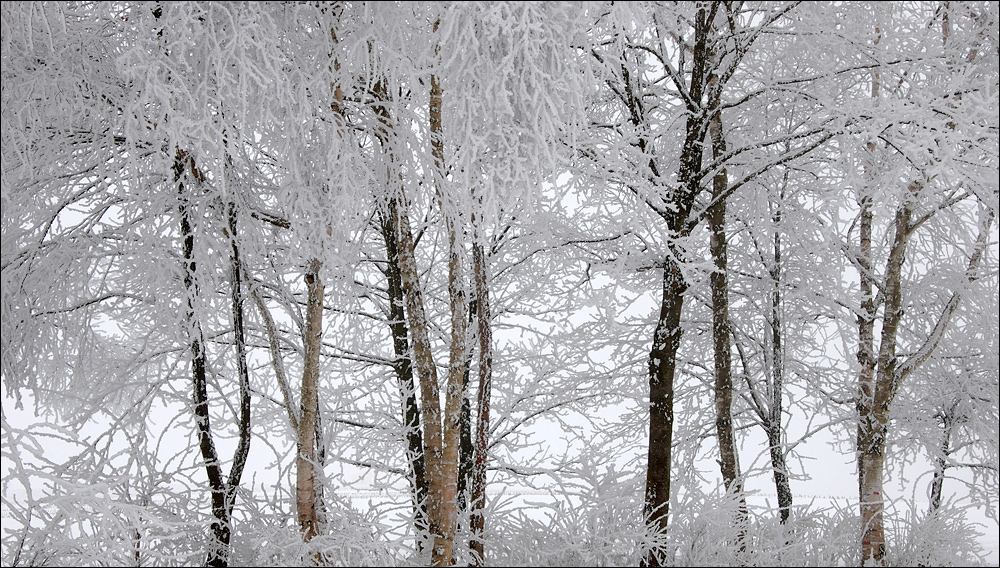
499, 283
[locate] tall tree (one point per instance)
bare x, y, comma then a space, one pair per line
681, 62
931, 143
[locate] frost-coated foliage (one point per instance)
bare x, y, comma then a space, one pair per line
562, 129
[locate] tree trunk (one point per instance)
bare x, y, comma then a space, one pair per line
774, 438
429, 391
667, 336
719, 283
872, 437
941, 461
441, 430
867, 444
448, 467
239, 335
662, 367
466, 449
305, 479
780, 469
876, 396
404, 372
218, 547
477, 491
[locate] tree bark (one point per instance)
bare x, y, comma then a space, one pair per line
443, 551
218, 548
719, 284
403, 369
662, 367
477, 492
874, 409
867, 453
774, 432
305, 478
239, 336
667, 336
941, 461
466, 449
429, 390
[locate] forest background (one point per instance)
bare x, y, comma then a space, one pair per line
500, 283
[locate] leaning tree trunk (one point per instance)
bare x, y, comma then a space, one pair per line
239, 338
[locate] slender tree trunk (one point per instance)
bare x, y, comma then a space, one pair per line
443, 552
466, 450
305, 479
867, 442
780, 469
429, 390
774, 433
404, 371
477, 491
719, 283
276, 362
872, 438
941, 462
239, 336
239, 333
218, 547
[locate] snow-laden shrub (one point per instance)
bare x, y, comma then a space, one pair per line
349, 538
941, 538
594, 518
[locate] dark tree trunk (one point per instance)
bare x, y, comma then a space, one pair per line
667, 336
774, 437
477, 523
465, 448
719, 284
239, 335
218, 547
662, 367
947, 417
403, 368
